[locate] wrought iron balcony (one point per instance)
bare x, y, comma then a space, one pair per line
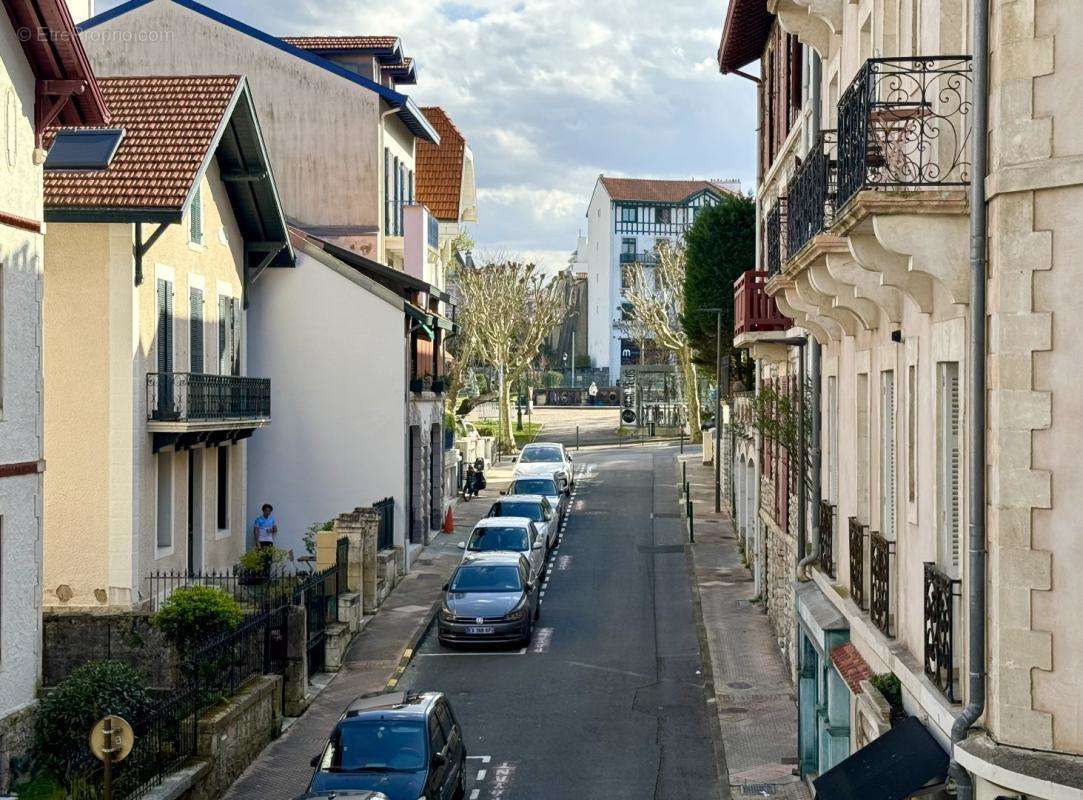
857, 563
941, 596
774, 230
200, 398
880, 553
754, 311
905, 123
810, 201
647, 259
827, 538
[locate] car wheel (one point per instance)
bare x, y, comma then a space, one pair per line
529, 634
537, 613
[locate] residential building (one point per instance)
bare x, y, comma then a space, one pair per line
626, 218
32, 70
343, 145
148, 399
871, 195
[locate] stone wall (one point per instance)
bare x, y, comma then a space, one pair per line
71, 639
781, 549
16, 743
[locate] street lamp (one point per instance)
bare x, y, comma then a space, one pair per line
723, 385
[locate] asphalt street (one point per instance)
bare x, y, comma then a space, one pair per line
608, 702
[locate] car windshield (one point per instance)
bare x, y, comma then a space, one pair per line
487, 578
483, 539
546, 486
539, 455
377, 746
523, 508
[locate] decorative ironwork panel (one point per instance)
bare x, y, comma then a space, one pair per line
857, 563
827, 538
880, 553
905, 122
810, 197
941, 594
183, 396
385, 533
775, 227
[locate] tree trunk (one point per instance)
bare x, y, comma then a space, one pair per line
691, 393
504, 435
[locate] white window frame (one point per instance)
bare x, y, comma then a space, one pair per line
949, 468
833, 438
159, 550
889, 512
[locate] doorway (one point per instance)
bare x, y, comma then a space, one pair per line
195, 511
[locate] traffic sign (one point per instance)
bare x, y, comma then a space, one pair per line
111, 739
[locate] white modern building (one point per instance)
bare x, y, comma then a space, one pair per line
626, 218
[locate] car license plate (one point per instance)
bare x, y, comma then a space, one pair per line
476, 629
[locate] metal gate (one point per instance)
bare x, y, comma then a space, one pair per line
385, 535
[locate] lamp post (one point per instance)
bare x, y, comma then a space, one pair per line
722, 374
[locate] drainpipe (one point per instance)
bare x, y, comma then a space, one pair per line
814, 368
975, 592
802, 459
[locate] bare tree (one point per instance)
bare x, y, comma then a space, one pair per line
509, 309
656, 306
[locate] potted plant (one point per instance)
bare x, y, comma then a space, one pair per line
417, 385
256, 565
438, 385
888, 685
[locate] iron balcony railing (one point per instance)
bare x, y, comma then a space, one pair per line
905, 123
648, 259
774, 230
857, 563
827, 538
753, 309
880, 552
810, 200
195, 397
942, 592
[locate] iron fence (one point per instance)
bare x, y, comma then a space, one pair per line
774, 228
941, 595
255, 593
880, 552
183, 396
810, 197
857, 563
385, 533
827, 538
319, 593
904, 122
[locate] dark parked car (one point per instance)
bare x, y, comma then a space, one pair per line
403, 745
333, 794
490, 598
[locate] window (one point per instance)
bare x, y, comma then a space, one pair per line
912, 433
229, 338
949, 464
223, 488
410, 187
887, 454
195, 217
863, 447
628, 213
389, 195
628, 247
443, 716
833, 438
165, 326
195, 331
662, 215
437, 739
165, 500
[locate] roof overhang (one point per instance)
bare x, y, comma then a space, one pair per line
400, 281
408, 111
744, 36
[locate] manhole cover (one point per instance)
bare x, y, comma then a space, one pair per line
739, 685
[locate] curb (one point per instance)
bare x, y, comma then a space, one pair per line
411, 647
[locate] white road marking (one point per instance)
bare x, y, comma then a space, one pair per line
482, 759
519, 652
475, 794
501, 780
606, 669
543, 637
563, 563
483, 772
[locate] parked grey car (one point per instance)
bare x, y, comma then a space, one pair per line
549, 488
534, 507
489, 599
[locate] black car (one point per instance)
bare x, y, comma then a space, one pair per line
405, 745
489, 599
333, 795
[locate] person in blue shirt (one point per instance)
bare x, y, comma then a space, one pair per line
265, 527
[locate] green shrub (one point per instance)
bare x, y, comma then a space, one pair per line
486, 427
70, 710
887, 683
195, 613
310, 536
261, 560
552, 379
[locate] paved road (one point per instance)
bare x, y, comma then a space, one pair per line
609, 700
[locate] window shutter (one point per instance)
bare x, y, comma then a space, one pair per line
196, 331
950, 464
195, 217
887, 455
165, 326
235, 335
387, 192
223, 335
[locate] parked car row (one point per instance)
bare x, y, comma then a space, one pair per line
410, 746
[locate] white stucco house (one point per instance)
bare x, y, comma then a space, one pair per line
626, 217
50, 52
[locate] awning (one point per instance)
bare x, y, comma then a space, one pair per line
428, 331
443, 322
893, 767
417, 314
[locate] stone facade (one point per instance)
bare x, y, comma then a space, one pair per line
72, 638
16, 745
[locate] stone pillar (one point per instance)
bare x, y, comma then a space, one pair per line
296, 661
369, 592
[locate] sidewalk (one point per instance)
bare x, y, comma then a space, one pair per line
757, 713
373, 662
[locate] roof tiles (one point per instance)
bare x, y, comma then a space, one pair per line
440, 167
851, 666
169, 125
748, 25
318, 43
657, 191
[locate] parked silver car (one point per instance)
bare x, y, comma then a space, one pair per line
536, 508
540, 458
517, 535
548, 487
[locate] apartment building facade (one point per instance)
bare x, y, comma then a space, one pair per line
868, 204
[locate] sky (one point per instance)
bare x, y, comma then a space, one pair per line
552, 93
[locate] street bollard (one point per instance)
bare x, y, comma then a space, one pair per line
684, 473
691, 525
577, 438
682, 441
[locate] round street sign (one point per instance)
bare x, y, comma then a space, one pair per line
628, 416
117, 744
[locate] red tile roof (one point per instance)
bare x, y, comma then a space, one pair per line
645, 190
403, 66
851, 666
440, 167
748, 24
317, 43
169, 125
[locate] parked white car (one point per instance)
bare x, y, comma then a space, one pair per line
545, 458
534, 507
551, 487
508, 534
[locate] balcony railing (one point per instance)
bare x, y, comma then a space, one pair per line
192, 397
774, 230
648, 259
857, 563
880, 553
941, 596
810, 201
827, 538
905, 122
754, 311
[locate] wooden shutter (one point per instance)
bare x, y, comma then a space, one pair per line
887, 454
195, 217
165, 326
949, 456
195, 331
235, 335
387, 192
223, 335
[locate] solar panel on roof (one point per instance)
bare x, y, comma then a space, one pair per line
83, 149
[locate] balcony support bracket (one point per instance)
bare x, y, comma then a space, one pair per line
141, 247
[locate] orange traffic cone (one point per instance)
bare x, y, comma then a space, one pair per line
449, 521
